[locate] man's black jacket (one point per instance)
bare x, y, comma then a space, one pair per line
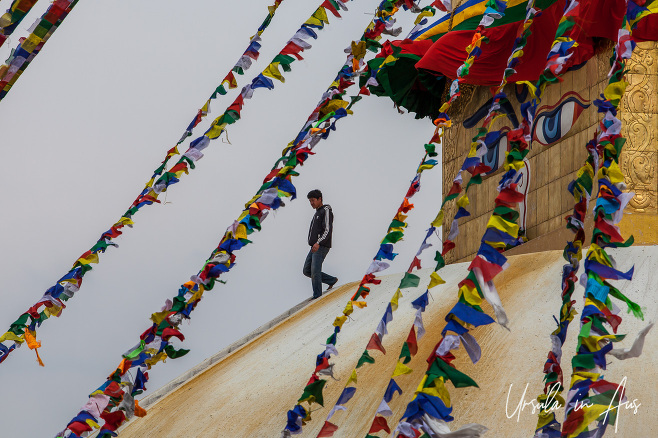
321, 227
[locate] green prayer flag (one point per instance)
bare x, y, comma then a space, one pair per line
405, 353
458, 379
313, 392
632, 306
393, 237
409, 280
365, 358
175, 354
440, 261
583, 361
449, 198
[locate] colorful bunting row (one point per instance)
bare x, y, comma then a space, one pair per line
430, 409
581, 189
591, 398
52, 302
10, 20
251, 53
113, 402
29, 47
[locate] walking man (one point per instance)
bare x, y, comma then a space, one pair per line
319, 239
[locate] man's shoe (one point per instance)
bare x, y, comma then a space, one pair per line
314, 297
331, 286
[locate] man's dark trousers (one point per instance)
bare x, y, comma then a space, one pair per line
313, 269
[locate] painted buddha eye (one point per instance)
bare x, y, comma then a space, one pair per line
497, 145
554, 122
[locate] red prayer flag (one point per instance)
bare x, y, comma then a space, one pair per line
489, 270
331, 8
113, 419
412, 343
456, 188
327, 430
292, 49
379, 423
375, 343
447, 246
414, 264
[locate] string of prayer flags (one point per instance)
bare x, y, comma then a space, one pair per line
29, 47
131, 373
431, 408
65, 288
251, 53
589, 394
10, 20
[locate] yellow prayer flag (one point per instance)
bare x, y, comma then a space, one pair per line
421, 385
579, 376
339, 321
359, 49
394, 300
389, 59
158, 317
318, 18
31, 42
91, 258
241, 232
11, 336
91, 423
501, 224
438, 220
349, 308
438, 389
216, 130
125, 221
470, 294
615, 90
401, 369
463, 201
162, 356
613, 172
400, 217
435, 280
352, 378
273, 72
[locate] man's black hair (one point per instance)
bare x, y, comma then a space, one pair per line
317, 194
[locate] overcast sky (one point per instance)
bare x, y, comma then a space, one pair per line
92, 117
